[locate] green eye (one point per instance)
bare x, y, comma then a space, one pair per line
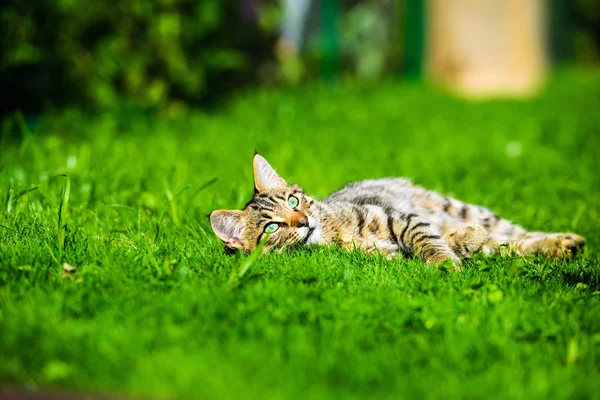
272, 227
292, 201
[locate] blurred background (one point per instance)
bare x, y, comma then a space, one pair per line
168, 55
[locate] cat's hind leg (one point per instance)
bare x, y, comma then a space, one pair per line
505, 235
562, 246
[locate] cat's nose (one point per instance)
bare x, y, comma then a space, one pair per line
303, 221
298, 219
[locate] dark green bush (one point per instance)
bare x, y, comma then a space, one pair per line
148, 53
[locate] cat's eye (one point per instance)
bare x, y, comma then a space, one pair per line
293, 201
272, 227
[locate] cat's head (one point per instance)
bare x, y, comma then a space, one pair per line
281, 211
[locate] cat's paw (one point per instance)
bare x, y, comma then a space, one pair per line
562, 246
467, 240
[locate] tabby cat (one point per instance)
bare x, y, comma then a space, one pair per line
388, 215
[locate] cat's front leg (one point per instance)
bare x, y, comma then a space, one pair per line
415, 235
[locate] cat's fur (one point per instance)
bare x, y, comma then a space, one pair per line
389, 215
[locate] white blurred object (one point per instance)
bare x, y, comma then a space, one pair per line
483, 48
295, 13
289, 44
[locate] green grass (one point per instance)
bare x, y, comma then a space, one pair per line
152, 310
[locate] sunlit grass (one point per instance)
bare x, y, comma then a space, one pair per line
155, 308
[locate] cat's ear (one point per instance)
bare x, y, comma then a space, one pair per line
228, 225
265, 176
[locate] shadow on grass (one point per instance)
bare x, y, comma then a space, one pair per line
583, 279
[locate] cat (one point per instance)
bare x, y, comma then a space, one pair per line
390, 215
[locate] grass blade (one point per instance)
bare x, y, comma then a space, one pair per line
238, 273
62, 214
173, 211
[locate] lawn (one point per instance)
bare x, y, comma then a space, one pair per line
156, 308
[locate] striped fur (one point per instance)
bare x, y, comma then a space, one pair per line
389, 215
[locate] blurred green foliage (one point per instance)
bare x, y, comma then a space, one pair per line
150, 53
370, 38
585, 38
